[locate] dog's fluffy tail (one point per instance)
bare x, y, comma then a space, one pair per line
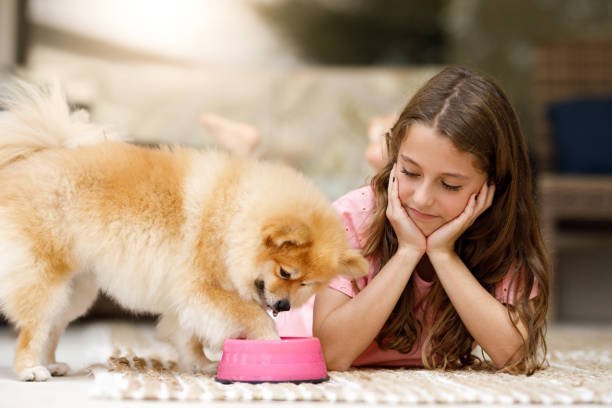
34, 118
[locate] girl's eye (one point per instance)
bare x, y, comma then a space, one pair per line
409, 173
284, 274
451, 187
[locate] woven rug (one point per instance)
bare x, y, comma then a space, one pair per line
580, 372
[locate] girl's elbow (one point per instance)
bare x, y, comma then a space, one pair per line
499, 364
335, 359
337, 364
507, 360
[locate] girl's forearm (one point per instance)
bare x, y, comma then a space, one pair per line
348, 330
484, 316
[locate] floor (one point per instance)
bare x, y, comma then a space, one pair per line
85, 345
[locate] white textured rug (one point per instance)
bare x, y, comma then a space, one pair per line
580, 372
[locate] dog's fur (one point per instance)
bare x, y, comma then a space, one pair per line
207, 240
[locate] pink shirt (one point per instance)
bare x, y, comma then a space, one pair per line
354, 209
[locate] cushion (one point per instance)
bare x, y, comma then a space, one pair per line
582, 133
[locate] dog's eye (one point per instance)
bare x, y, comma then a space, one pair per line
284, 274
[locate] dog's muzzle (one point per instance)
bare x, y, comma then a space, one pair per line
280, 306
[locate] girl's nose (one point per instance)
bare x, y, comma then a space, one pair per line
422, 196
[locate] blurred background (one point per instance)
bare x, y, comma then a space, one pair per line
311, 75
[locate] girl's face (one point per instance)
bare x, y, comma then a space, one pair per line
435, 180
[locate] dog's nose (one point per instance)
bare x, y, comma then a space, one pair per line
282, 305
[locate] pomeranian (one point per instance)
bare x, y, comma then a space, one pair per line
209, 241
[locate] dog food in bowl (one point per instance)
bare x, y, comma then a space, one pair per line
291, 359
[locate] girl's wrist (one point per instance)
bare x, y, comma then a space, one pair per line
410, 252
441, 255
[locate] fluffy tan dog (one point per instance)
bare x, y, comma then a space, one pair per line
208, 241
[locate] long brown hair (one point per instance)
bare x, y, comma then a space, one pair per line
475, 114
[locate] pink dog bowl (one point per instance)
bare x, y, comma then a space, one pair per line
291, 359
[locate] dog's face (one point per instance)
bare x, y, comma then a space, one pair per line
298, 259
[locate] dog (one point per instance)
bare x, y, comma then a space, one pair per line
208, 241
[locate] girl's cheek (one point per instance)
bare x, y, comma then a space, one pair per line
457, 207
404, 192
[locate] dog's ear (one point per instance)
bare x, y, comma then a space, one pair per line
354, 264
286, 232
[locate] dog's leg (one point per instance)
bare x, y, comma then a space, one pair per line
218, 314
35, 304
84, 293
28, 362
42, 305
56, 369
189, 348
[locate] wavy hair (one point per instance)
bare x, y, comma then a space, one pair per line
474, 113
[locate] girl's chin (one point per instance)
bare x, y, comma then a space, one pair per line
427, 232
426, 229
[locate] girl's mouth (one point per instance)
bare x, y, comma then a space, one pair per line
420, 215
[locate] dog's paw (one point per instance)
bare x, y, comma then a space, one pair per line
264, 333
58, 369
268, 336
36, 373
213, 353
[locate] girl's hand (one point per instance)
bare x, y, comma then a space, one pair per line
408, 234
443, 239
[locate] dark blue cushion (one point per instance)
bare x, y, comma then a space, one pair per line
582, 135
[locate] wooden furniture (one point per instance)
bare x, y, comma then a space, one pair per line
564, 71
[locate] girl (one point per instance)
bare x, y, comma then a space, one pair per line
450, 228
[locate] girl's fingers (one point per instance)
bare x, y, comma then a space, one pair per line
468, 212
486, 195
476, 205
391, 182
485, 198
392, 194
482, 198
472, 205
467, 216
490, 195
